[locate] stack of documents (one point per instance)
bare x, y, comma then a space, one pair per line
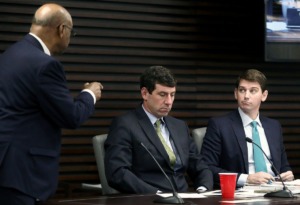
293, 186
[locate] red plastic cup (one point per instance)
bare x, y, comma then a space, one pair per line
228, 184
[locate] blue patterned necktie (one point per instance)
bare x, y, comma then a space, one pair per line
258, 156
170, 152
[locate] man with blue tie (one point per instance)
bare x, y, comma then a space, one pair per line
225, 148
129, 167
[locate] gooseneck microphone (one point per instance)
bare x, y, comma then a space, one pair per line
175, 199
285, 192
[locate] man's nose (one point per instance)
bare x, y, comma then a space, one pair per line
247, 93
169, 99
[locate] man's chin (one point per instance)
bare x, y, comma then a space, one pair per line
163, 114
246, 109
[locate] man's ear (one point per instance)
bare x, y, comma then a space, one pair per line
235, 93
144, 92
61, 30
264, 96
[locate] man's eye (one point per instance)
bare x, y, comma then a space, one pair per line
253, 91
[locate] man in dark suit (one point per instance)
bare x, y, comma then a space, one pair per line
129, 167
225, 148
35, 104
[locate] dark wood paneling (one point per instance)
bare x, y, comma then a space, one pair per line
205, 43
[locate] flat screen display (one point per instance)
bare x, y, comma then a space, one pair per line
282, 30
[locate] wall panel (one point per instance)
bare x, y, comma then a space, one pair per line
206, 44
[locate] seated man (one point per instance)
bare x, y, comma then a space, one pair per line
225, 148
129, 167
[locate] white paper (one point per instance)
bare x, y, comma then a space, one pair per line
244, 201
184, 195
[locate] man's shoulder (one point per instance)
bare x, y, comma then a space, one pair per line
174, 120
227, 116
31, 50
126, 116
268, 120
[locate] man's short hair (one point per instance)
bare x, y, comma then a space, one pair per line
157, 75
253, 75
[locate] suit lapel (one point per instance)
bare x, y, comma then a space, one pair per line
239, 131
175, 137
150, 133
268, 133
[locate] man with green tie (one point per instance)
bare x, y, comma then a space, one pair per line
129, 167
225, 148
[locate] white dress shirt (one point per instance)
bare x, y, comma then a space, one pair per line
264, 145
166, 135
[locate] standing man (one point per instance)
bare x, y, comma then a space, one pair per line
129, 167
35, 104
225, 148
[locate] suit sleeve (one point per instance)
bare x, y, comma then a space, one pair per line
119, 153
279, 156
56, 101
212, 149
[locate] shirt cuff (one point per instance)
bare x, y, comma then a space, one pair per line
201, 189
242, 180
91, 92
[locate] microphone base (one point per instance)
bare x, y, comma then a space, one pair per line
169, 200
280, 194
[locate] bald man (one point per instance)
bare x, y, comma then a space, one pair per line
35, 104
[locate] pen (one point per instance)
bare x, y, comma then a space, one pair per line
277, 178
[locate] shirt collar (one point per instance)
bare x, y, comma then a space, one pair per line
246, 119
46, 50
152, 118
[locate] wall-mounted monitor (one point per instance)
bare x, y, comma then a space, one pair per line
282, 30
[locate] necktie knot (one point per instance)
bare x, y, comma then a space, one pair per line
254, 124
158, 123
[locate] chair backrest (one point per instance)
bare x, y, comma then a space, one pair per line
198, 135
98, 144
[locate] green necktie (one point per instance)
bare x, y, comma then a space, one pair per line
170, 152
259, 161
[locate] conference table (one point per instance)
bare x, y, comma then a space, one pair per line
148, 200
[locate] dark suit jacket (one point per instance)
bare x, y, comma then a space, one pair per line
225, 148
34, 104
130, 169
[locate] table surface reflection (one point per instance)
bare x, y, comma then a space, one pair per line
148, 200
